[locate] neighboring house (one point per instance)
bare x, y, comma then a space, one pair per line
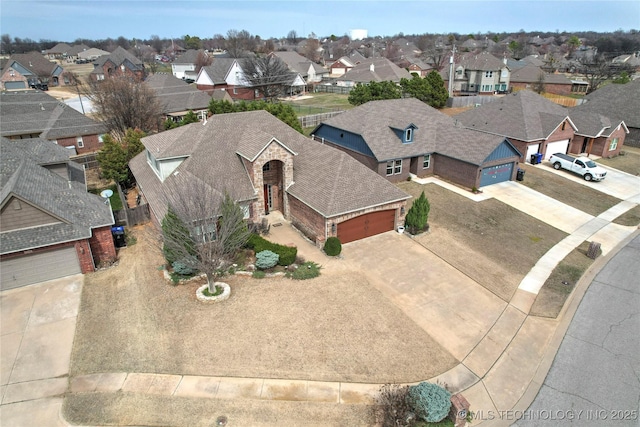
34, 114
226, 74
419, 67
92, 54
479, 74
403, 137
26, 70
632, 61
75, 51
59, 51
309, 70
532, 123
177, 97
341, 66
373, 70
597, 134
117, 64
184, 66
51, 226
529, 76
619, 102
268, 166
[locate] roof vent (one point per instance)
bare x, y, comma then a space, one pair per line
372, 68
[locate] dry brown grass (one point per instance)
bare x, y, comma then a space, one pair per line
630, 217
336, 327
579, 196
629, 162
491, 242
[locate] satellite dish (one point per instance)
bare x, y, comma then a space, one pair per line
106, 193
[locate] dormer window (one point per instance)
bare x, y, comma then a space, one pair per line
408, 135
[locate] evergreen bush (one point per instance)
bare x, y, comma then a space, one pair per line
266, 259
181, 268
430, 402
287, 253
332, 246
418, 215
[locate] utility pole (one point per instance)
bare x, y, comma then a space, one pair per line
451, 70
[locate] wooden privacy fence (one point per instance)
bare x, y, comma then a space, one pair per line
332, 89
130, 216
87, 160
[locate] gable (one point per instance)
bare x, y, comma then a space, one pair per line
503, 151
20, 69
17, 214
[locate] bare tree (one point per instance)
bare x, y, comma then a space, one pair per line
238, 43
121, 103
202, 60
538, 85
597, 70
203, 229
269, 74
292, 37
311, 50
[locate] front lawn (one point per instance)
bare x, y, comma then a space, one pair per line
494, 244
582, 197
628, 161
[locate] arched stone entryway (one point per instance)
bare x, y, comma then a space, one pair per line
272, 186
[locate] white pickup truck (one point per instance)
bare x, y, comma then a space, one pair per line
584, 166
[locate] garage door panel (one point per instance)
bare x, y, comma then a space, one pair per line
496, 174
366, 225
556, 147
15, 85
38, 267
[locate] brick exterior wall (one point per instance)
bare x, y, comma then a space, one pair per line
109, 69
305, 219
558, 135
599, 146
456, 171
83, 249
102, 247
17, 77
91, 143
556, 89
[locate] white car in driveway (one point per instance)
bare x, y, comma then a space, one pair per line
583, 166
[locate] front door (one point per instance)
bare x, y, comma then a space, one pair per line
268, 200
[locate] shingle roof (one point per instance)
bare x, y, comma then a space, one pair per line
176, 95
59, 48
118, 57
326, 179
296, 62
189, 57
34, 112
483, 62
34, 62
435, 132
523, 115
218, 69
531, 73
375, 70
616, 101
77, 211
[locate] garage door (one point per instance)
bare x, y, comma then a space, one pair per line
15, 85
556, 147
496, 174
28, 269
531, 149
366, 225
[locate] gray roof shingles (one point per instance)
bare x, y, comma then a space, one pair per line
616, 101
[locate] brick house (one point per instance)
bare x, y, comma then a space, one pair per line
597, 134
532, 123
226, 74
118, 63
25, 70
529, 75
177, 97
34, 114
402, 137
269, 166
48, 218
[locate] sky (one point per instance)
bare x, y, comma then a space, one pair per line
100, 19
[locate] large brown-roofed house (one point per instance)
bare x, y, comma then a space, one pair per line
266, 165
34, 114
532, 123
25, 70
51, 226
530, 75
117, 64
373, 70
177, 97
403, 137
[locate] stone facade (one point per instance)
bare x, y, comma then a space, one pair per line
283, 161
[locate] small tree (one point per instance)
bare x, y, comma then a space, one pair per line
418, 215
374, 91
268, 74
214, 230
538, 86
430, 402
115, 155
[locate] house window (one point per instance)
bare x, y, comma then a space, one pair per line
235, 90
488, 73
12, 73
408, 135
394, 167
79, 142
100, 77
426, 161
266, 167
205, 232
614, 144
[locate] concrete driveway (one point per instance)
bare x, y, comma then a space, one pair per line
617, 183
38, 326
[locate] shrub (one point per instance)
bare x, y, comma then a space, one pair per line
266, 259
182, 268
332, 246
308, 270
391, 407
418, 215
287, 253
429, 401
258, 274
